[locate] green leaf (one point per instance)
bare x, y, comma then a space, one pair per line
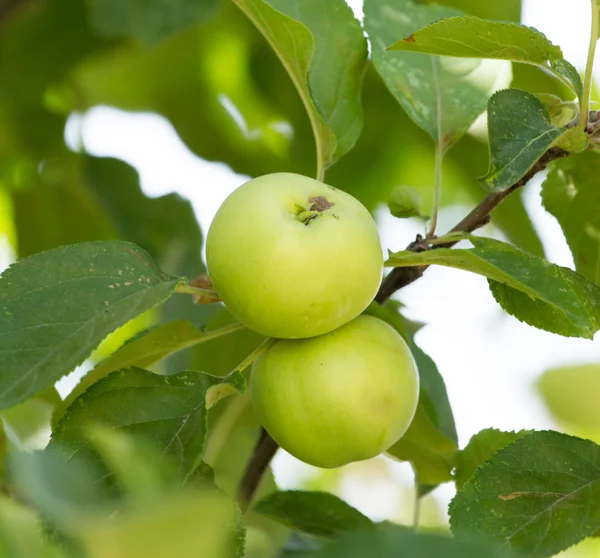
404, 202
57, 306
431, 453
184, 524
401, 542
481, 446
474, 37
565, 69
315, 513
28, 423
20, 533
147, 21
443, 96
169, 411
144, 473
570, 193
572, 394
328, 78
144, 351
539, 495
520, 133
537, 292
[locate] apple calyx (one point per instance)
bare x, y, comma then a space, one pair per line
316, 205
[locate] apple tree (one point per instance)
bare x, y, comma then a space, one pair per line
194, 372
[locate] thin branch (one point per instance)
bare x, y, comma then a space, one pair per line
264, 452
400, 277
7, 7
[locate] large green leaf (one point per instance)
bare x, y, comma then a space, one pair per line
481, 446
537, 292
169, 411
57, 306
147, 21
508, 10
401, 542
443, 96
144, 351
324, 51
539, 495
570, 192
316, 513
520, 132
572, 394
473, 37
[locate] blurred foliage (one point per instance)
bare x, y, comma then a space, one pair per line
209, 71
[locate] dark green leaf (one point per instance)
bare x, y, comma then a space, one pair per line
431, 453
570, 193
323, 48
520, 133
572, 394
443, 96
481, 446
542, 294
147, 21
315, 513
57, 306
169, 411
405, 201
400, 542
539, 495
541, 314
145, 351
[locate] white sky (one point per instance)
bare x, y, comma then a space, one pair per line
488, 359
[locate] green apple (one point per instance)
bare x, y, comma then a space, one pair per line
292, 257
344, 396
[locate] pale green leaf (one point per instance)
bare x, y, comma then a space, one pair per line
571, 193
538, 495
324, 51
57, 306
442, 95
148, 21
404, 202
537, 292
520, 132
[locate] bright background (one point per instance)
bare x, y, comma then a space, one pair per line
489, 360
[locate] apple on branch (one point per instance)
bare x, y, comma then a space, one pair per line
292, 257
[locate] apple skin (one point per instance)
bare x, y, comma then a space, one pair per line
341, 397
286, 278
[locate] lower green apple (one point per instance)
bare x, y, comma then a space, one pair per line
292, 257
344, 396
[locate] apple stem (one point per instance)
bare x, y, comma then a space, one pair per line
306, 216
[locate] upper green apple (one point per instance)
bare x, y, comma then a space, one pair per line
344, 396
292, 257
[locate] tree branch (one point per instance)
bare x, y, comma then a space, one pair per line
398, 278
7, 7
